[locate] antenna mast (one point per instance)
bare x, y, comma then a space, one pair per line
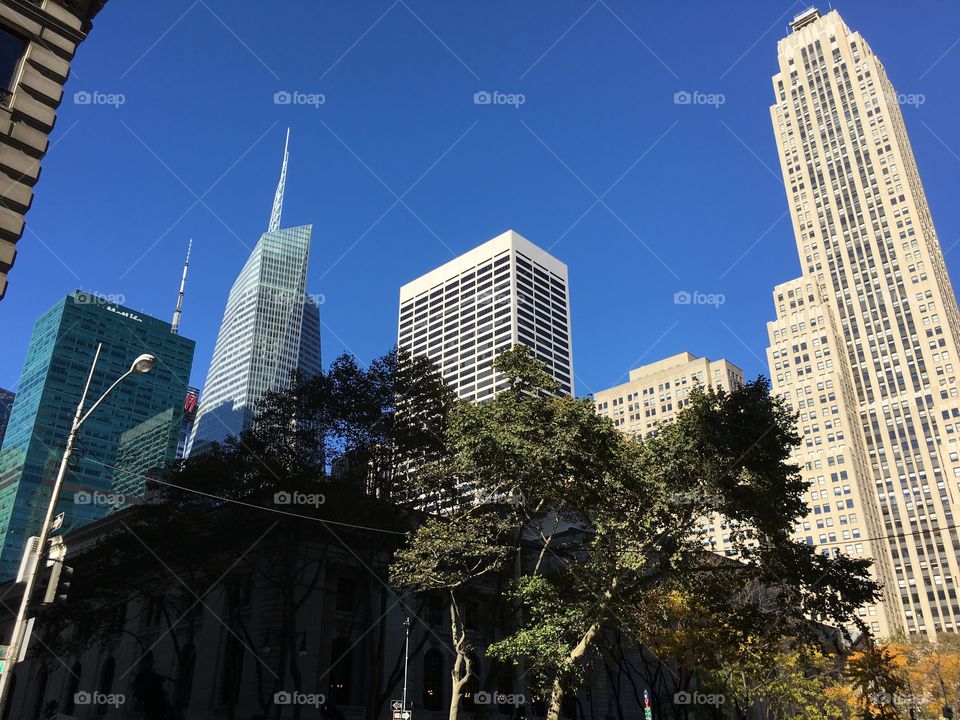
281, 186
175, 324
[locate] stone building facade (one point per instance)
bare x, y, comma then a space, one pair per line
38, 39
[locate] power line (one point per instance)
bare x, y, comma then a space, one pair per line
396, 532
251, 505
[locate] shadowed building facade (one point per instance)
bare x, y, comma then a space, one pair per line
6, 405
37, 44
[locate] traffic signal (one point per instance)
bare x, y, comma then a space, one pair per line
59, 582
53, 576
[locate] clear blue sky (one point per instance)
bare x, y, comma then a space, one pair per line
696, 202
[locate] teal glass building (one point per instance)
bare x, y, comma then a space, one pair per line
6, 405
58, 360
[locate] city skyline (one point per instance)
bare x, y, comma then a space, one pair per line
737, 496
332, 189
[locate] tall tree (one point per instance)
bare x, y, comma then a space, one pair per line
616, 518
227, 509
449, 555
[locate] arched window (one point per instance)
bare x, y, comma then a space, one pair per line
105, 686
73, 687
340, 671
188, 661
39, 691
433, 679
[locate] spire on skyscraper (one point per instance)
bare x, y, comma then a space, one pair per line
278, 198
175, 324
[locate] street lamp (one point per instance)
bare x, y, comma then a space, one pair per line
142, 364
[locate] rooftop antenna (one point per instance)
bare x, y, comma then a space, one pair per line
174, 326
278, 198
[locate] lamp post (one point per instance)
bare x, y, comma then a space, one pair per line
142, 364
406, 661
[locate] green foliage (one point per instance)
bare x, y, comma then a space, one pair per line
628, 511
554, 623
447, 553
324, 437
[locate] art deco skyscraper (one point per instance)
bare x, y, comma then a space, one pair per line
270, 328
865, 342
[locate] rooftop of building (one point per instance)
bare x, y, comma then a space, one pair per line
672, 363
502, 242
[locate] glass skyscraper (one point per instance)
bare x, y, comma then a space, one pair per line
58, 359
6, 405
270, 328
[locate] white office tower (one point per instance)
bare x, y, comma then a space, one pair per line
500, 294
270, 328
